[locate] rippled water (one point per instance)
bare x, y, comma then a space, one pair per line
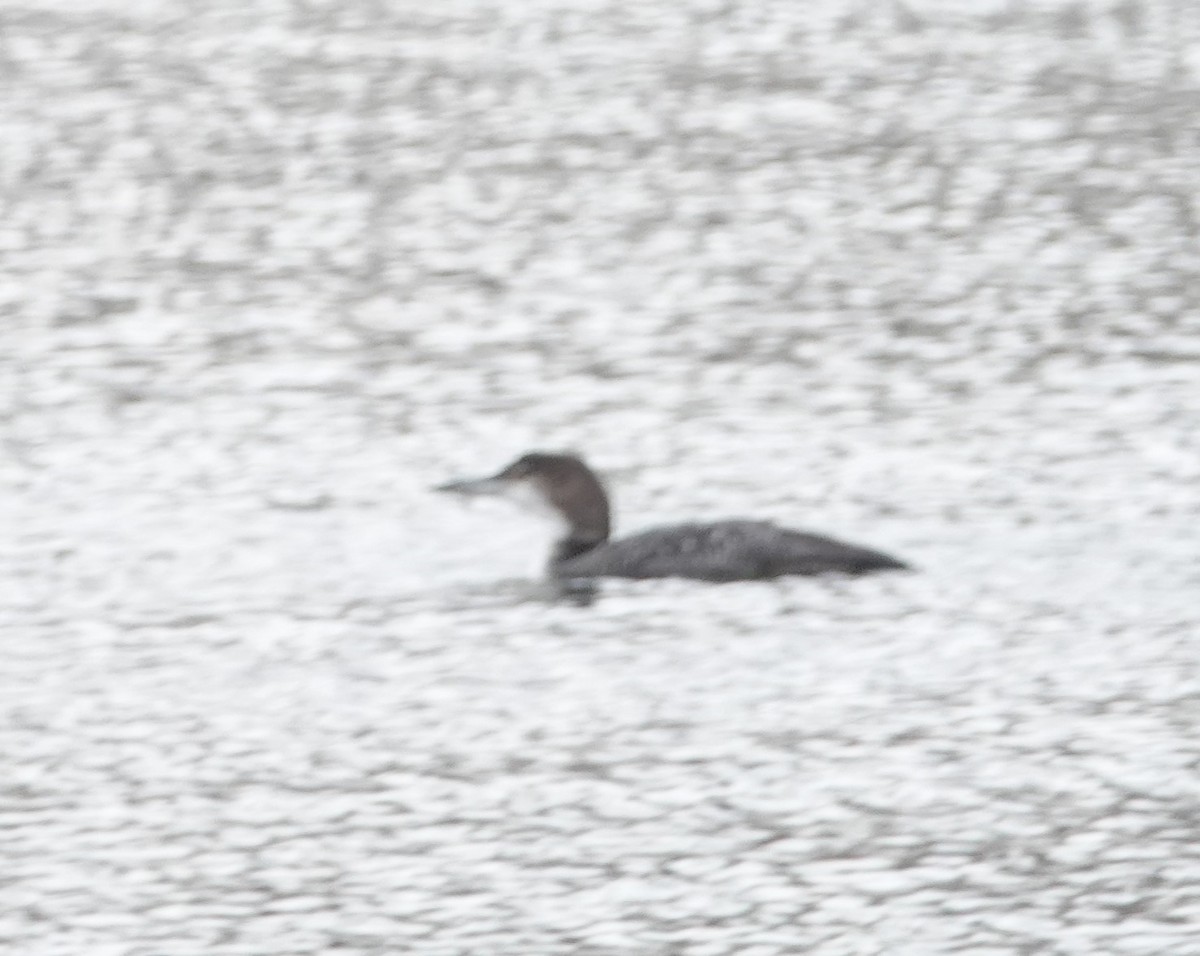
914, 276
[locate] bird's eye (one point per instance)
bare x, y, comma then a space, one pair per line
518, 469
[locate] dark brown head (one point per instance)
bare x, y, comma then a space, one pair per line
563, 483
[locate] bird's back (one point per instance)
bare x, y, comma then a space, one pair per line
737, 550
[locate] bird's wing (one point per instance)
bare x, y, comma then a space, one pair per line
800, 552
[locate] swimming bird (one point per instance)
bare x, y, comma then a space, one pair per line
730, 550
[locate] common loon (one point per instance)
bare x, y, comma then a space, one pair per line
732, 550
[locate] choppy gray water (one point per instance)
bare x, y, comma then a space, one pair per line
920, 277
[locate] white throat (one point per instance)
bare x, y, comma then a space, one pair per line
527, 496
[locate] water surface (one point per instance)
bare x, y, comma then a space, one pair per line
913, 276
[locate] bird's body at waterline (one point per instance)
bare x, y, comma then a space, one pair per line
731, 550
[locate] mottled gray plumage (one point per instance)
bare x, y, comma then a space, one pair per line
737, 550
734, 550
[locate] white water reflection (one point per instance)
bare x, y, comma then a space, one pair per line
916, 277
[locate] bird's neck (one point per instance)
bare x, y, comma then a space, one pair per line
572, 546
578, 591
